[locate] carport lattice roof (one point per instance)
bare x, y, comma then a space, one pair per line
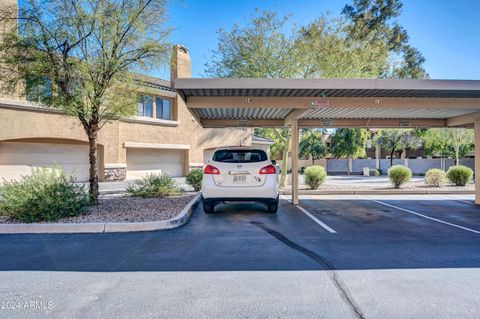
215, 100
329, 88
333, 113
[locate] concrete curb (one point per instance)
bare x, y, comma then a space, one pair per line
36, 228
380, 192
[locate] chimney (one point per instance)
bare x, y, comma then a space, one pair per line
10, 7
181, 66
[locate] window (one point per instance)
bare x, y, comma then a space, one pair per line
145, 106
38, 89
163, 106
239, 156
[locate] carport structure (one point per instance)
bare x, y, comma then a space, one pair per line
336, 103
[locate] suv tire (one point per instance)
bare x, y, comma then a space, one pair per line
208, 207
273, 207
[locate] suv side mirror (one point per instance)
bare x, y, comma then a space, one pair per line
274, 162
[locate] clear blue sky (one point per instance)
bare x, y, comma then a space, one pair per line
447, 32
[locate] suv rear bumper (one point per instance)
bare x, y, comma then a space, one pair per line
269, 190
266, 201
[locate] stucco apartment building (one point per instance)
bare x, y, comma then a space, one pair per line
162, 137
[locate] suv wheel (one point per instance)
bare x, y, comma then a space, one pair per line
273, 207
208, 207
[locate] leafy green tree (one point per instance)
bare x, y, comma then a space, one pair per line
312, 145
258, 49
397, 140
325, 50
435, 143
376, 21
446, 142
88, 50
462, 141
349, 143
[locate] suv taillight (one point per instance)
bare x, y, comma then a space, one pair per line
270, 169
211, 170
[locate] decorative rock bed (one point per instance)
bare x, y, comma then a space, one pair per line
126, 209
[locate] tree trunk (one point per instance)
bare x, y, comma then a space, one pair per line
283, 176
391, 157
457, 156
92, 155
349, 159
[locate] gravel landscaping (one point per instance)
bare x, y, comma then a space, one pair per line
127, 209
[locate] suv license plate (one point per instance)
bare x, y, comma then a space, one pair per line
239, 178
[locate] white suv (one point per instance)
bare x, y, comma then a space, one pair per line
239, 174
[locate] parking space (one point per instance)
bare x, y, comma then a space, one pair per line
395, 213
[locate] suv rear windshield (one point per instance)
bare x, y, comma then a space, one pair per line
239, 156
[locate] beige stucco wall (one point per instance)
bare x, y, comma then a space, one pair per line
21, 123
187, 132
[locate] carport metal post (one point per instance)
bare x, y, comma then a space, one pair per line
294, 155
476, 127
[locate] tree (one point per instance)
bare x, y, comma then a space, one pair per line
435, 143
312, 145
88, 50
462, 141
376, 20
349, 143
446, 142
397, 140
259, 49
325, 50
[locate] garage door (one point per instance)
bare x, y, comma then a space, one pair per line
17, 159
143, 161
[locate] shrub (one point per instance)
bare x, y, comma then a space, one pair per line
153, 185
399, 174
194, 179
374, 172
435, 177
48, 194
315, 176
459, 175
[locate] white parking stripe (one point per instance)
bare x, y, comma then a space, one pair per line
328, 228
421, 215
315, 219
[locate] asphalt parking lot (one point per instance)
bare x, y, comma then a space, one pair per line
382, 256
